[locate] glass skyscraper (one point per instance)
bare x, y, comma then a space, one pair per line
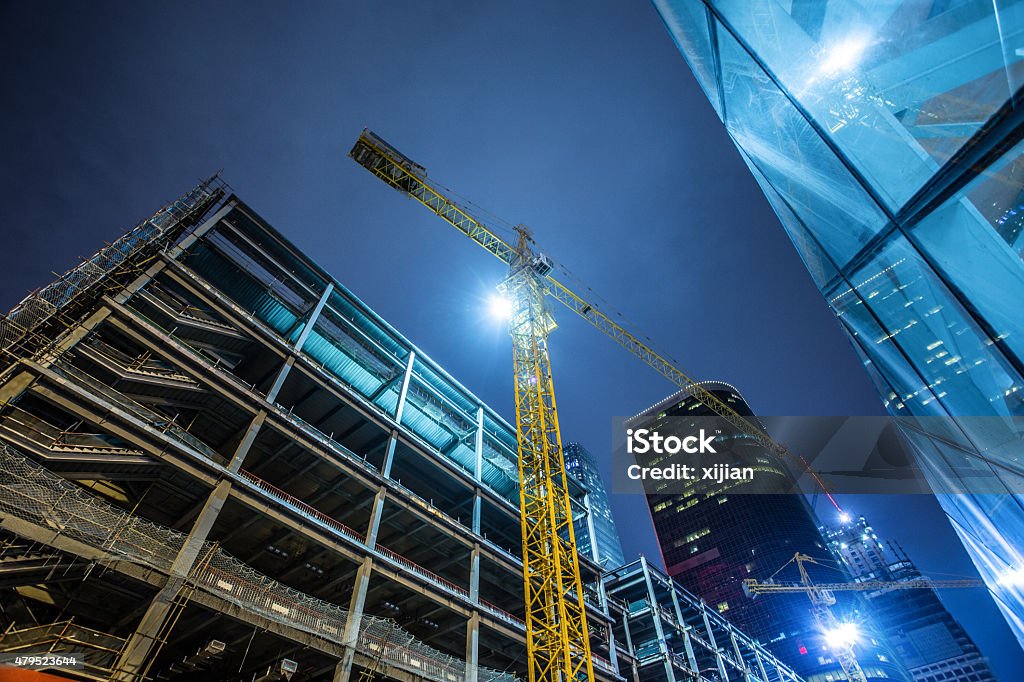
715, 535
888, 138
926, 637
599, 539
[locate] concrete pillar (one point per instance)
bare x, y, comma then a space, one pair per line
473, 647
477, 513
311, 322
132, 663
375, 515
275, 387
247, 440
629, 646
474, 574
389, 456
760, 665
257, 422
591, 530
691, 658
478, 470
350, 638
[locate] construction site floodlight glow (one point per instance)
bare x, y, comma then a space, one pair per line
843, 635
499, 307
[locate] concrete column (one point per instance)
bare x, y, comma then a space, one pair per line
613, 656
690, 657
389, 456
479, 468
591, 530
474, 574
760, 665
629, 646
350, 638
132, 663
257, 422
477, 514
275, 387
473, 647
375, 516
247, 440
311, 322
739, 657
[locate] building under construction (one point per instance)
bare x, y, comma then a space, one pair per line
217, 463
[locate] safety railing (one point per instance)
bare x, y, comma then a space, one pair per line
41, 305
34, 494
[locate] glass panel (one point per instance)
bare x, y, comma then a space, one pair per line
791, 156
975, 241
899, 87
917, 321
688, 26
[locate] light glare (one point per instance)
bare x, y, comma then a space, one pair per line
842, 636
1012, 578
844, 56
499, 307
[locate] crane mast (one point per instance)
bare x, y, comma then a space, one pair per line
558, 641
557, 635
558, 646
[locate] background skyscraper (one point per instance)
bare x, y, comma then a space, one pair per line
596, 534
887, 137
926, 638
714, 536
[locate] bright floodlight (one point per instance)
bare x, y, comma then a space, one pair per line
499, 307
842, 636
844, 55
844, 517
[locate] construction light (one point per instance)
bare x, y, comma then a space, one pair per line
499, 307
844, 635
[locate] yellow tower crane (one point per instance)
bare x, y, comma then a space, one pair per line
823, 599
557, 638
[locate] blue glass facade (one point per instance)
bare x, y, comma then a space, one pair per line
888, 138
596, 534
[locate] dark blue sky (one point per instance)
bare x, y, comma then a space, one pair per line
580, 120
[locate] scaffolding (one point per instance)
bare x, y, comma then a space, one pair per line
38, 496
39, 307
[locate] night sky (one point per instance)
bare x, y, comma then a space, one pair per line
580, 120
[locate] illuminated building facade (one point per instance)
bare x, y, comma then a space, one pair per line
596, 534
888, 139
714, 536
923, 634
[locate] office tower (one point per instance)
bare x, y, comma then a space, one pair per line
715, 535
596, 534
924, 635
886, 136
